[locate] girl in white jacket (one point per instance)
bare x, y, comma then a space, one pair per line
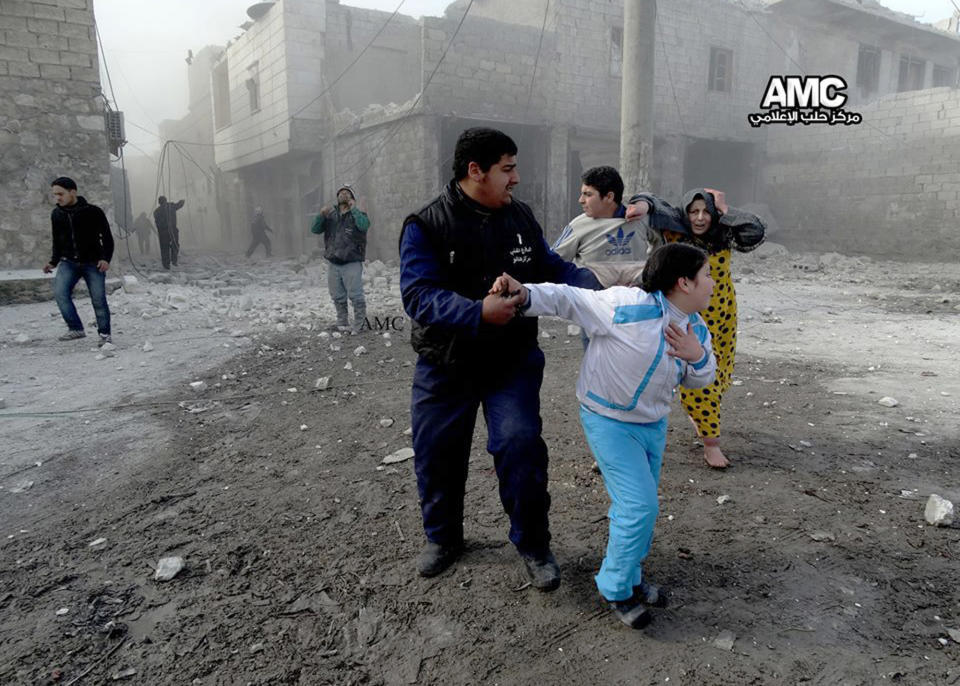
643, 344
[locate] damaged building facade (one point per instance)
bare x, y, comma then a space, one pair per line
51, 120
317, 94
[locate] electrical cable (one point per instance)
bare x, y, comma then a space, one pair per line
536, 61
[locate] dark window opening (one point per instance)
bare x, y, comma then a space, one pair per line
868, 69
911, 73
721, 70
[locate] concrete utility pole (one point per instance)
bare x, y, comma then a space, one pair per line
636, 94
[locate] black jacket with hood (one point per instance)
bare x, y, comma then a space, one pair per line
81, 233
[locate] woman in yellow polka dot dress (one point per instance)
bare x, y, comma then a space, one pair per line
706, 221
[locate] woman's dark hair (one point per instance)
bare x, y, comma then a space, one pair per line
668, 264
483, 146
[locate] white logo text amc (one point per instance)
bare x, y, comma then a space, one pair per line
804, 91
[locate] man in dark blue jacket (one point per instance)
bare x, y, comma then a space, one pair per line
82, 249
474, 349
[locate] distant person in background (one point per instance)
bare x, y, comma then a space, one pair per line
165, 217
143, 227
82, 249
259, 229
344, 230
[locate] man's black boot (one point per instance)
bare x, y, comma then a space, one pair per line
434, 558
543, 570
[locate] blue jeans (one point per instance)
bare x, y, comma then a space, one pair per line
68, 274
630, 457
346, 281
443, 412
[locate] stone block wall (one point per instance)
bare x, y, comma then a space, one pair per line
394, 168
889, 187
51, 120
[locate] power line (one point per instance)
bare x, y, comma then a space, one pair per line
416, 102
323, 92
536, 61
666, 62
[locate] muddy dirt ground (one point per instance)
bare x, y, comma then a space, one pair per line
300, 546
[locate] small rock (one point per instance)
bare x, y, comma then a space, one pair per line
22, 487
293, 389
62, 611
722, 499
198, 385
96, 542
348, 366
822, 536
323, 383
147, 347
125, 674
22, 338
943, 641
360, 350
573, 330
954, 634
257, 648
398, 456
725, 640
544, 334
167, 568
386, 422
408, 431
887, 401
130, 283
304, 427
939, 511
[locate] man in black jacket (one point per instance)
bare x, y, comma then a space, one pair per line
165, 217
474, 350
82, 249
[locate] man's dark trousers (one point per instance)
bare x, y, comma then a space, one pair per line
443, 411
169, 246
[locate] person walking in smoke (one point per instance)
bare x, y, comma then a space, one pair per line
643, 343
259, 229
344, 228
165, 217
473, 351
705, 220
143, 228
82, 249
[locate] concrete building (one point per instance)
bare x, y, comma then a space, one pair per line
306, 99
51, 120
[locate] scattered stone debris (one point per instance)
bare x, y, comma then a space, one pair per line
725, 640
125, 674
96, 542
304, 427
887, 401
386, 422
398, 456
167, 568
954, 634
147, 347
257, 648
723, 499
359, 350
22, 487
822, 536
22, 338
323, 383
62, 611
573, 330
198, 385
939, 511
408, 431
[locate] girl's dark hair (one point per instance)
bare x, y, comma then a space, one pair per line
668, 264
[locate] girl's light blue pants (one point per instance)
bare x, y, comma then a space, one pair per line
630, 456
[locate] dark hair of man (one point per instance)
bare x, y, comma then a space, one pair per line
483, 146
604, 179
668, 264
162, 199
64, 182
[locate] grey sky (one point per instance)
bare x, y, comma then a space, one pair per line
145, 43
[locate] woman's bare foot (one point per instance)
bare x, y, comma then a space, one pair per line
713, 455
